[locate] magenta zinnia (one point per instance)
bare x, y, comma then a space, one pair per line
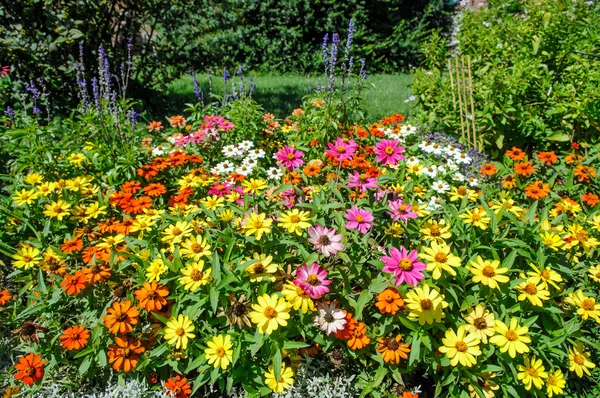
361, 181
401, 211
405, 266
289, 157
389, 152
342, 149
325, 240
358, 219
312, 280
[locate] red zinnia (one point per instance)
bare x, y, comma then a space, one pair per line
30, 368
4, 297
178, 387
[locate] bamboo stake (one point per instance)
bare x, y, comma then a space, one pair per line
472, 102
464, 93
462, 123
451, 84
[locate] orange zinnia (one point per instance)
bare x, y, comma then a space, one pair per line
178, 387
584, 173
73, 245
131, 186
396, 118
392, 350
152, 296
124, 226
292, 178
311, 169
488, 169
573, 158
548, 157
155, 189
509, 181
346, 332
537, 190
525, 168
30, 368
121, 317
96, 273
389, 301
4, 297
515, 154
590, 199
72, 285
177, 121
74, 338
124, 353
408, 394
359, 338
154, 126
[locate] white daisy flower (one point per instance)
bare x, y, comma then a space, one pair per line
440, 187
330, 318
231, 151
274, 173
246, 145
431, 171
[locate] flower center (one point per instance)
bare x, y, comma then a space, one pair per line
588, 304
74, 336
220, 352
406, 264
290, 156
360, 218
532, 372
180, 332
257, 224
27, 258
462, 190
440, 257
29, 371
545, 274
511, 335
531, 289
125, 352
259, 268
488, 271
480, 323
196, 275
324, 240
551, 380
475, 217
270, 313
461, 346
426, 304
175, 231
579, 359
312, 280
341, 149
392, 345
294, 219
389, 150
329, 318
239, 309
196, 248
121, 317
434, 230
582, 236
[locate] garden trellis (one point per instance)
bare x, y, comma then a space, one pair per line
461, 83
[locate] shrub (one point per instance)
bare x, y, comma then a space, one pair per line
531, 89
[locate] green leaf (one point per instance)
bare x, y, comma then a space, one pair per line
277, 363
415, 349
85, 365
290, 345
365, 297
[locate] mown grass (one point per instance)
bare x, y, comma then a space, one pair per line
281, 94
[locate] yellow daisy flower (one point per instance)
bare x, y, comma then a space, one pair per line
27, 257
295, 221
195, 247
587, 305
254, 186
461, 346
434, 230
195, 276
555, 383
286, 378
511, 338
257, 225
439, 258
219, 352
297, 298
262, 269
178, 331
155, 269
532, 372
426, 303
480, 322
25, 197
534, 292
270, 313
478, 217
58, 209
213, 202
579, 360
488, 273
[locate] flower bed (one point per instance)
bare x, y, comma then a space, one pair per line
233, 256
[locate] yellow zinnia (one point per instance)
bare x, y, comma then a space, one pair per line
481, 322
478, 217
195, 276
195, 247
175, 233
439, 258
155, 269
434, 230
270, 312
58, 209
461, 347
178, 331
532, 372
295, 221
27, 257
286, 378
579, 360
587, 305
296, 296
555, 383
533, 292
25, 197
488, 273
254, 186
425, 303
257, 225
262, 269
511, 338
219, 351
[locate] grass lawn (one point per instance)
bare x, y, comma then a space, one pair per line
280, 94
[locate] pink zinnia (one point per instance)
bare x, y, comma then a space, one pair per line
406, 267
358, 219
325, 240
401, 211
362, 181
220, 189
312, 280
342, 149
389, 152
289, 158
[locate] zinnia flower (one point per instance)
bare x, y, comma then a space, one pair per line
74, 338
392, 349
325, 240
389, 152
361, 181
151, 296
358, 219
312, 280
270, 312
30, 368
125, 353
286, 378
461, 346
511, 338
178, 331
219, 351
401, 211
342, 149
405, 266
289, 158
121, 317
330, 318
579, 360
178, 387
389, 301
532, 372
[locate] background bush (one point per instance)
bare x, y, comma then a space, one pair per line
40, 38
536, 73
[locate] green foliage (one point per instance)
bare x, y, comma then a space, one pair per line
536, 73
